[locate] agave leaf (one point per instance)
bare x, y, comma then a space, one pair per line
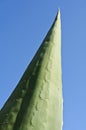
36, 102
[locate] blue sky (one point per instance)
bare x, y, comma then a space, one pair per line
23, 25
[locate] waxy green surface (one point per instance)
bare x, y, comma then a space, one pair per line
36, 103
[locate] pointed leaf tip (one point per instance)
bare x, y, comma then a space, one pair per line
58, 14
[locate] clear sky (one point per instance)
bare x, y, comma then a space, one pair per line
23, 25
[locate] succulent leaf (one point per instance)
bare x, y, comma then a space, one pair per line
37, 103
